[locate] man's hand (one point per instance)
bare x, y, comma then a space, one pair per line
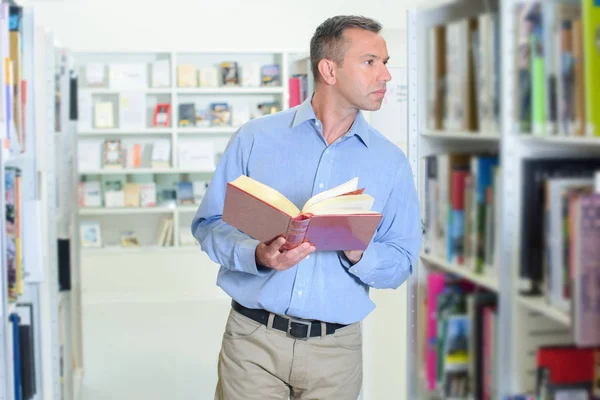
271, 257
354, 256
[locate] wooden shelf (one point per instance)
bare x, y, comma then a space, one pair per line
484, 280
538, 303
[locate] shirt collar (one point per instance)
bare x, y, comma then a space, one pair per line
305, 112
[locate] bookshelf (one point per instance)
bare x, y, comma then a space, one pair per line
184, 77
525, 321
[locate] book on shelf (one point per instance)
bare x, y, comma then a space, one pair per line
129, 239
161, 74
186, 76
148, 194
165, 233
129, 76
251, 75
185, 193
208, 77
597, 182
230, 73
591, 24
162, 115
199, 188
336, 219
112, 154
187, 114
196, 155
90, 194
161, 153
114, 195
270, 75
132, 195
90, 234
220, 114
132, 110
104, 115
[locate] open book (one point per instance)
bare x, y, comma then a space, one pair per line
336, 219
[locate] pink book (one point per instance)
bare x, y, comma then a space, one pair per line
435, 286
295, 97
586, 294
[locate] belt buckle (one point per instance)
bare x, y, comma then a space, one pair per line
297, 321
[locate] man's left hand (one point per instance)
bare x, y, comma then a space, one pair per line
354, 256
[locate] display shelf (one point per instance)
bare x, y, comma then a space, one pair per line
230, 90
208, 130
133, 132
125, 210
104, 91
131, 171
539, 304
487, 281
462, 136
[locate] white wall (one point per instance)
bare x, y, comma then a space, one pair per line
147, 25
94, 25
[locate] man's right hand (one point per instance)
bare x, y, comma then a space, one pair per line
271, 257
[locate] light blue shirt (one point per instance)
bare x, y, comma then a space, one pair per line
288, 152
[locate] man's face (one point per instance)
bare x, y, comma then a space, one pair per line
362, 77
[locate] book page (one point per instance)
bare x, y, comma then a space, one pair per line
346, 187
343, 205
266, 194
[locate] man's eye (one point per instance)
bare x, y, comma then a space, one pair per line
370, 62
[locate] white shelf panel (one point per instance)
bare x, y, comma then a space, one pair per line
117, 91
128, 171
116, 250
136, 132
190, 208
208, 130
575, 141
538, 303
232, 90
485, 280
468, 136
124, 210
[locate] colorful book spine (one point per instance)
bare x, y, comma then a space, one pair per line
591, 26
435, 286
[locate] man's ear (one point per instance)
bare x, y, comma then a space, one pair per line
328, 70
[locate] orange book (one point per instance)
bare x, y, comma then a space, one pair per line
137, 155
337, 219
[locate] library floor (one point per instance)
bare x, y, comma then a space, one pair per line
146, 351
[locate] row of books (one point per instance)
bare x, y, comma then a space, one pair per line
91, 236
116, 193
459, 206
222, 114
115, 154
557, 63
14, 249
463, 87
131, 111
12, 95
461, 338
229, 73
22, 351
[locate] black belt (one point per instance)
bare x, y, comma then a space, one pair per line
294, 328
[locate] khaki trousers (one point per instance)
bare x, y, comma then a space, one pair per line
258, 362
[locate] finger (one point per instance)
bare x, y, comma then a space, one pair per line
296, 255
273, 249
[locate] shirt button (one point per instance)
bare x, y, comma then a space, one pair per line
299, 293
372, 283
353, 271
321, 185
308, 256
327, 151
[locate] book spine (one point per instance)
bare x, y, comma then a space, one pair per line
296, 232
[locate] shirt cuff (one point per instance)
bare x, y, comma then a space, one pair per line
364, 267
245, 258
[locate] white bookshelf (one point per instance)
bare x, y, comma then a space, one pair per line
512, 148
246, 95
488, 281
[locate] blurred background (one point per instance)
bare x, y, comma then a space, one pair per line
114, 116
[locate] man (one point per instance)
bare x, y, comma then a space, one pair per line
294, 328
